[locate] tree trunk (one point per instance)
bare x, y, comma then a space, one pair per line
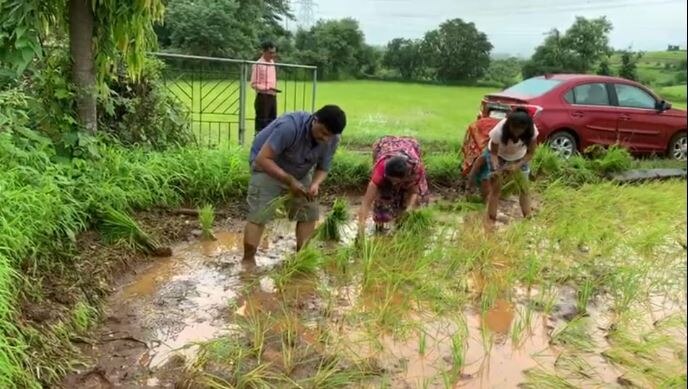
83, 61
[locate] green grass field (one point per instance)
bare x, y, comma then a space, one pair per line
435, 114
675, 93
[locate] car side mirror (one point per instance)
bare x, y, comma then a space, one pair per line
662, 106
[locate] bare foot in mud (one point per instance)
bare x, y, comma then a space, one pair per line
249, 266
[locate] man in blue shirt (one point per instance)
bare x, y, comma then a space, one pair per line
291, 155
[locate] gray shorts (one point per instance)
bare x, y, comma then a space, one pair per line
265, 195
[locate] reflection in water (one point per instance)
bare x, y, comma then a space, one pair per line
224, 241
498, 318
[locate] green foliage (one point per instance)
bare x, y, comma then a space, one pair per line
629, 61
404, 56
341, 39
206, 217
140, 112
675, 93
210, 27
47, 203
503, 72
457, 51
224, 28
123, 30
604, 69
583, 45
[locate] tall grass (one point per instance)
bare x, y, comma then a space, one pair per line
46, 204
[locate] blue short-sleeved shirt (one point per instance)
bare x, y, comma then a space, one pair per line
297, 152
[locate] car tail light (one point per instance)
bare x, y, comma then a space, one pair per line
533, 110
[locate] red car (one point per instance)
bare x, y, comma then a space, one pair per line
574, 111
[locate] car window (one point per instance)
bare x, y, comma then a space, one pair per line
533, 87
588, 94
634, 97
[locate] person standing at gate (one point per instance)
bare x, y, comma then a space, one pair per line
264, 82
289, 160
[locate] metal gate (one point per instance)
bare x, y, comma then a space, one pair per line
218, 99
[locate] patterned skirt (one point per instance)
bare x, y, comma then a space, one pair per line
391, 198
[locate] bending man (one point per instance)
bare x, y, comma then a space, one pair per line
283, 157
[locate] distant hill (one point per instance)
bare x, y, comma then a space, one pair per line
659, 68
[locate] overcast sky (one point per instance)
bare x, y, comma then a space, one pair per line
514, 27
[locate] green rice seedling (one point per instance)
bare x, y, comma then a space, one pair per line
531, 270
584, 294
489, 296
118, 227
626, 286
575, 335
615, 160
442, 168
330, 229
422, 342
573, 366
547, 298
288, 339
595, 151
522, 324
370, 250
256, 325
539, 378
546, 162
515, 183
458, 342
448, 379
206, 217
305, 262
349, 170
418, 221
331, 374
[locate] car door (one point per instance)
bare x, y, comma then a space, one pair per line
642, 128
592, 114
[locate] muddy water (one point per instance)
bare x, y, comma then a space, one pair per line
164, 308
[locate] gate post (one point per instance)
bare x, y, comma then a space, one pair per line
315, 84
242, 104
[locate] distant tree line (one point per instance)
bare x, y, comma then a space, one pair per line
456, 51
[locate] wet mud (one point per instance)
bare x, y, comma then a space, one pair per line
162, 310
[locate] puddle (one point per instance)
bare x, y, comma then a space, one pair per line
170, 304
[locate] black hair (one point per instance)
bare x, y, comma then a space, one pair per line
396, 167
521, 118
267, 45
333, 118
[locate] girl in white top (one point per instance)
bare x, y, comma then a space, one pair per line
511, 147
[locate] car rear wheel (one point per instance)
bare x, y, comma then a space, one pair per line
677, 147
563, 143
